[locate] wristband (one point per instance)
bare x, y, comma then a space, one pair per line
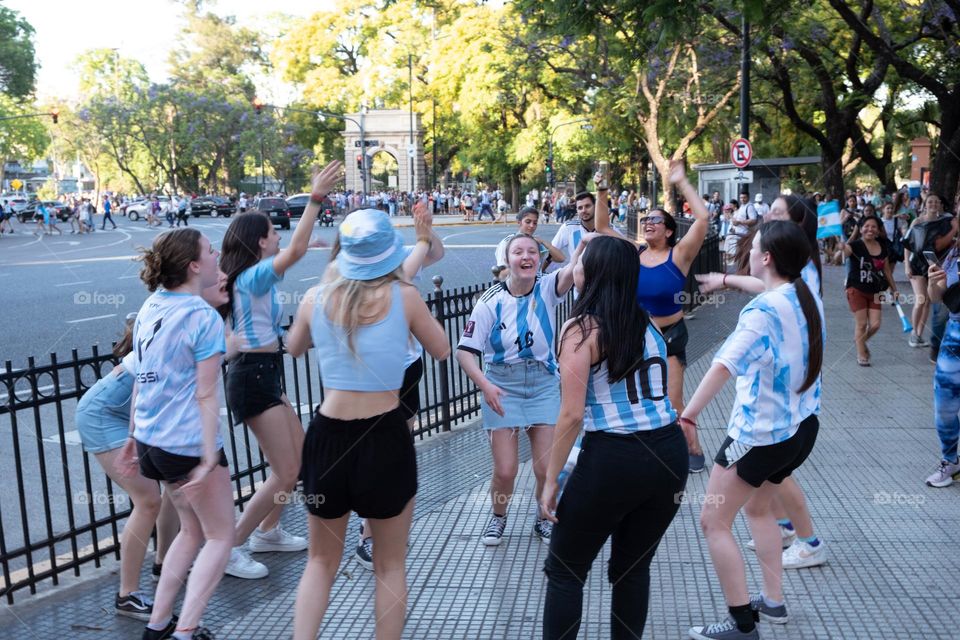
603, 188
723, 283
317, 199
427, 240
688, 421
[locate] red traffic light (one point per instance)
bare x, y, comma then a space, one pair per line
55, 114
360, 161
257, 105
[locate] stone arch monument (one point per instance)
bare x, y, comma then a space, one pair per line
385, 130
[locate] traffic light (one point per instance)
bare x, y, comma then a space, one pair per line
360, 161
55, 114
257, 105
548, 170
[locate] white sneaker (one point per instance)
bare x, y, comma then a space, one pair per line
943, 476
275, 540
801, 555
787, 536
241, 565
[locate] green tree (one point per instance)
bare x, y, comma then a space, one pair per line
18, 64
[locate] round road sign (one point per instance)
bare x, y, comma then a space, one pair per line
741, 152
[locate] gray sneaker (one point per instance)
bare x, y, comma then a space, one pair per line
943, 476
776, 615
726, 630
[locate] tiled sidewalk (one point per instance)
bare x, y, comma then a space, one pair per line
893, 542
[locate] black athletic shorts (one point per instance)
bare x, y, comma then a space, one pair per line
367, 465
676, 337
410, 389
253, 384
773, 462
157, 464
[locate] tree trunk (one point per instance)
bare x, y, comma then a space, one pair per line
946, 162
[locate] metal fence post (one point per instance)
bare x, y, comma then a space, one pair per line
444, 367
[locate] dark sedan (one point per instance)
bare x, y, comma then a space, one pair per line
298, 203
61, 210
212, 206
276, 208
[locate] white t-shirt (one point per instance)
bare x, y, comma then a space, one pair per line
745, 212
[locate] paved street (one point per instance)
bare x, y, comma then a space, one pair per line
892, 541
74, 291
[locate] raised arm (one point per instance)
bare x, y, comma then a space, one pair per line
323, 184
424, 327
689, 246
298, 338
716, 281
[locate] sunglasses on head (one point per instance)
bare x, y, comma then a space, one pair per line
653, 220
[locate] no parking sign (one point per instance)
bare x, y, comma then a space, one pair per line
741, 152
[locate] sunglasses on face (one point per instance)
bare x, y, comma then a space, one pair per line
653, 220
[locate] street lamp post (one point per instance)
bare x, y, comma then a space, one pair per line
411, 148
551, 178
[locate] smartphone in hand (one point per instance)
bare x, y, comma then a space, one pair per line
931, 258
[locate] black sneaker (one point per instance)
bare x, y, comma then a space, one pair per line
163, 634
364, 553
157, 568
493, 534
136, 604
776, 615
543, 529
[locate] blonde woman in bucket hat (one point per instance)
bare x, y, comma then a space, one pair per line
358, 453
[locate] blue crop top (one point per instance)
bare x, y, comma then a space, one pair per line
659, 288
381, 349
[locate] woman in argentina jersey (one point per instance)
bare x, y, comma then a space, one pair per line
178, 342
633, 466
775, 353
802, 547
512, 330
254, 264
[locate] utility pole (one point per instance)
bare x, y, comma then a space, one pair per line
745, 78
411, 150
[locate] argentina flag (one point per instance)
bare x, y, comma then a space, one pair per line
828, 219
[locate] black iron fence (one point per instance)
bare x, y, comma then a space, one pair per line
59, 511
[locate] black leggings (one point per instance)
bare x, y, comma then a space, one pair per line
625, 486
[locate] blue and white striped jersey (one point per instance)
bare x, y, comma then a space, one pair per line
257, 312
812, 278
768, 354
637, 403
568, 236
173, 332
506, 329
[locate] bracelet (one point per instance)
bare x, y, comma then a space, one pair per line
723, 283
316, 199
429, 241
604, 188
688, 421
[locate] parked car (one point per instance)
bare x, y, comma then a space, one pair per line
17, 203
276, 208
60, 209
212, 206
139, 208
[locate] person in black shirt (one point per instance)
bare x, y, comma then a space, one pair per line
869, 272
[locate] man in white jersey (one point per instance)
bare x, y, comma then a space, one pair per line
568, 236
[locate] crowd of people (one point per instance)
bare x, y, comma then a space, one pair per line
612, 436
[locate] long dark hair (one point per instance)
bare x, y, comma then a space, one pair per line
241, 247
789, 250
611, 269
668, 221
802, 211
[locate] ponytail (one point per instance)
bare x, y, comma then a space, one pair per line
811, 313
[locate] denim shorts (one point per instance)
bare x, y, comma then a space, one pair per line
103, 413
532, 395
